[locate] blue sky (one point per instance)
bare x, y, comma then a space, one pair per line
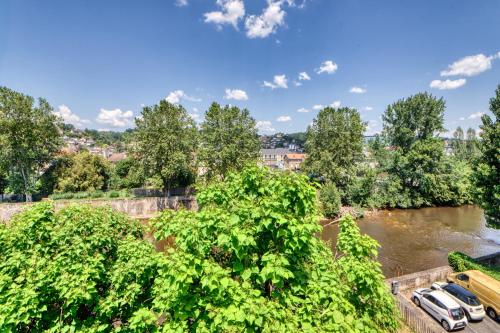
98, 61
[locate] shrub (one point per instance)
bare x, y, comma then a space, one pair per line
114, 194
81, 268
330, 200
461, 262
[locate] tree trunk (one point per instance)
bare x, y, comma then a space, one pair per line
29, 197
166, 188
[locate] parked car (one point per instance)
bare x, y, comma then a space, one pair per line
442, 307
469, 302
486, 288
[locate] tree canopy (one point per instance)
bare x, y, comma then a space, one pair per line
229, 140
248, 260
335, 145
418, 117
487, 169
165, 141
30, 136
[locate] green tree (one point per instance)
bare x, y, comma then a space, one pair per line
29, 137
229, 140
85, 172
486, 171
165, 142
129, 173
334, 145
472, 145
459, 145
3, 182
417, 117
250, 261
330, 200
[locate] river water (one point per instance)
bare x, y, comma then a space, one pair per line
413, 240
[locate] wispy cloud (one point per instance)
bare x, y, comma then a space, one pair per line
470, 65
283, 119
176, 96
231, 12
181, 3
265, 126
447, 84
236, 94
475, 115
357, 90
265, 24
328, 67
303, 76
69, 117
303, 110
279, 81
115, 118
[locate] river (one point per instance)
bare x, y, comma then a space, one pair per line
413, 240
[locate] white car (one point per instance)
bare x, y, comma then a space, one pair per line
442, 307
473, 309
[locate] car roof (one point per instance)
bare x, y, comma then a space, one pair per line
445, 299
484, 279
459, 289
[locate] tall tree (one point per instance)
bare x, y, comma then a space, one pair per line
487, 169
417, 117
472, 145
229, 140
458, 145
165, 142
30, 136
335, 145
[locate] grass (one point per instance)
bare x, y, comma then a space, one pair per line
91, 195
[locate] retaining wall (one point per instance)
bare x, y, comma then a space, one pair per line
135, 207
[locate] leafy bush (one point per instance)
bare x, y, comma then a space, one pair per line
330, 200
461, 262
249, 260
114, 194
82, 268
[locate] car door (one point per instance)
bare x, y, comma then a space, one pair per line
428, 303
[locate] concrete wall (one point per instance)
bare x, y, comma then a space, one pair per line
136, 207
423, 278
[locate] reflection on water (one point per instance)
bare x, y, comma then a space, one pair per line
412, 240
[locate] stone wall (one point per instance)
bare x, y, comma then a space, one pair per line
142, 208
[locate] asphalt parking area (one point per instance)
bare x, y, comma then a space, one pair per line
487, 325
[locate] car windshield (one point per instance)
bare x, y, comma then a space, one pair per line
457, 313
472, 300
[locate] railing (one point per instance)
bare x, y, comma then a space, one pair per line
419, 322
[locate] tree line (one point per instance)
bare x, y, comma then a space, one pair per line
404, 166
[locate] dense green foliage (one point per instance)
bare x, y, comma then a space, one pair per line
329, 197
229, 140
418, 117
84, 172
80, 269
29, 138
127, 173
334, 145
248, 260
465, 148
486, 175
461, 262
165, 142
124, 193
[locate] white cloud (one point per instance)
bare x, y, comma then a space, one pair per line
115, 118
447, 84
462, 118
69, 117
303, 110
194, 116
236, 94
297, 83
232, 11
303, 76
475, 115
283, 119
279, 81
318, 107
470, 65
265, 126
335, 104
368, 108
181, 3
265, 24
328, 67
357, 90
175, 97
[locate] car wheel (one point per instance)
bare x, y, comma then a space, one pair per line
467, 314
491, 313
416, 301
445, 325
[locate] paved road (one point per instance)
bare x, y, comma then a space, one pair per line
487, 325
